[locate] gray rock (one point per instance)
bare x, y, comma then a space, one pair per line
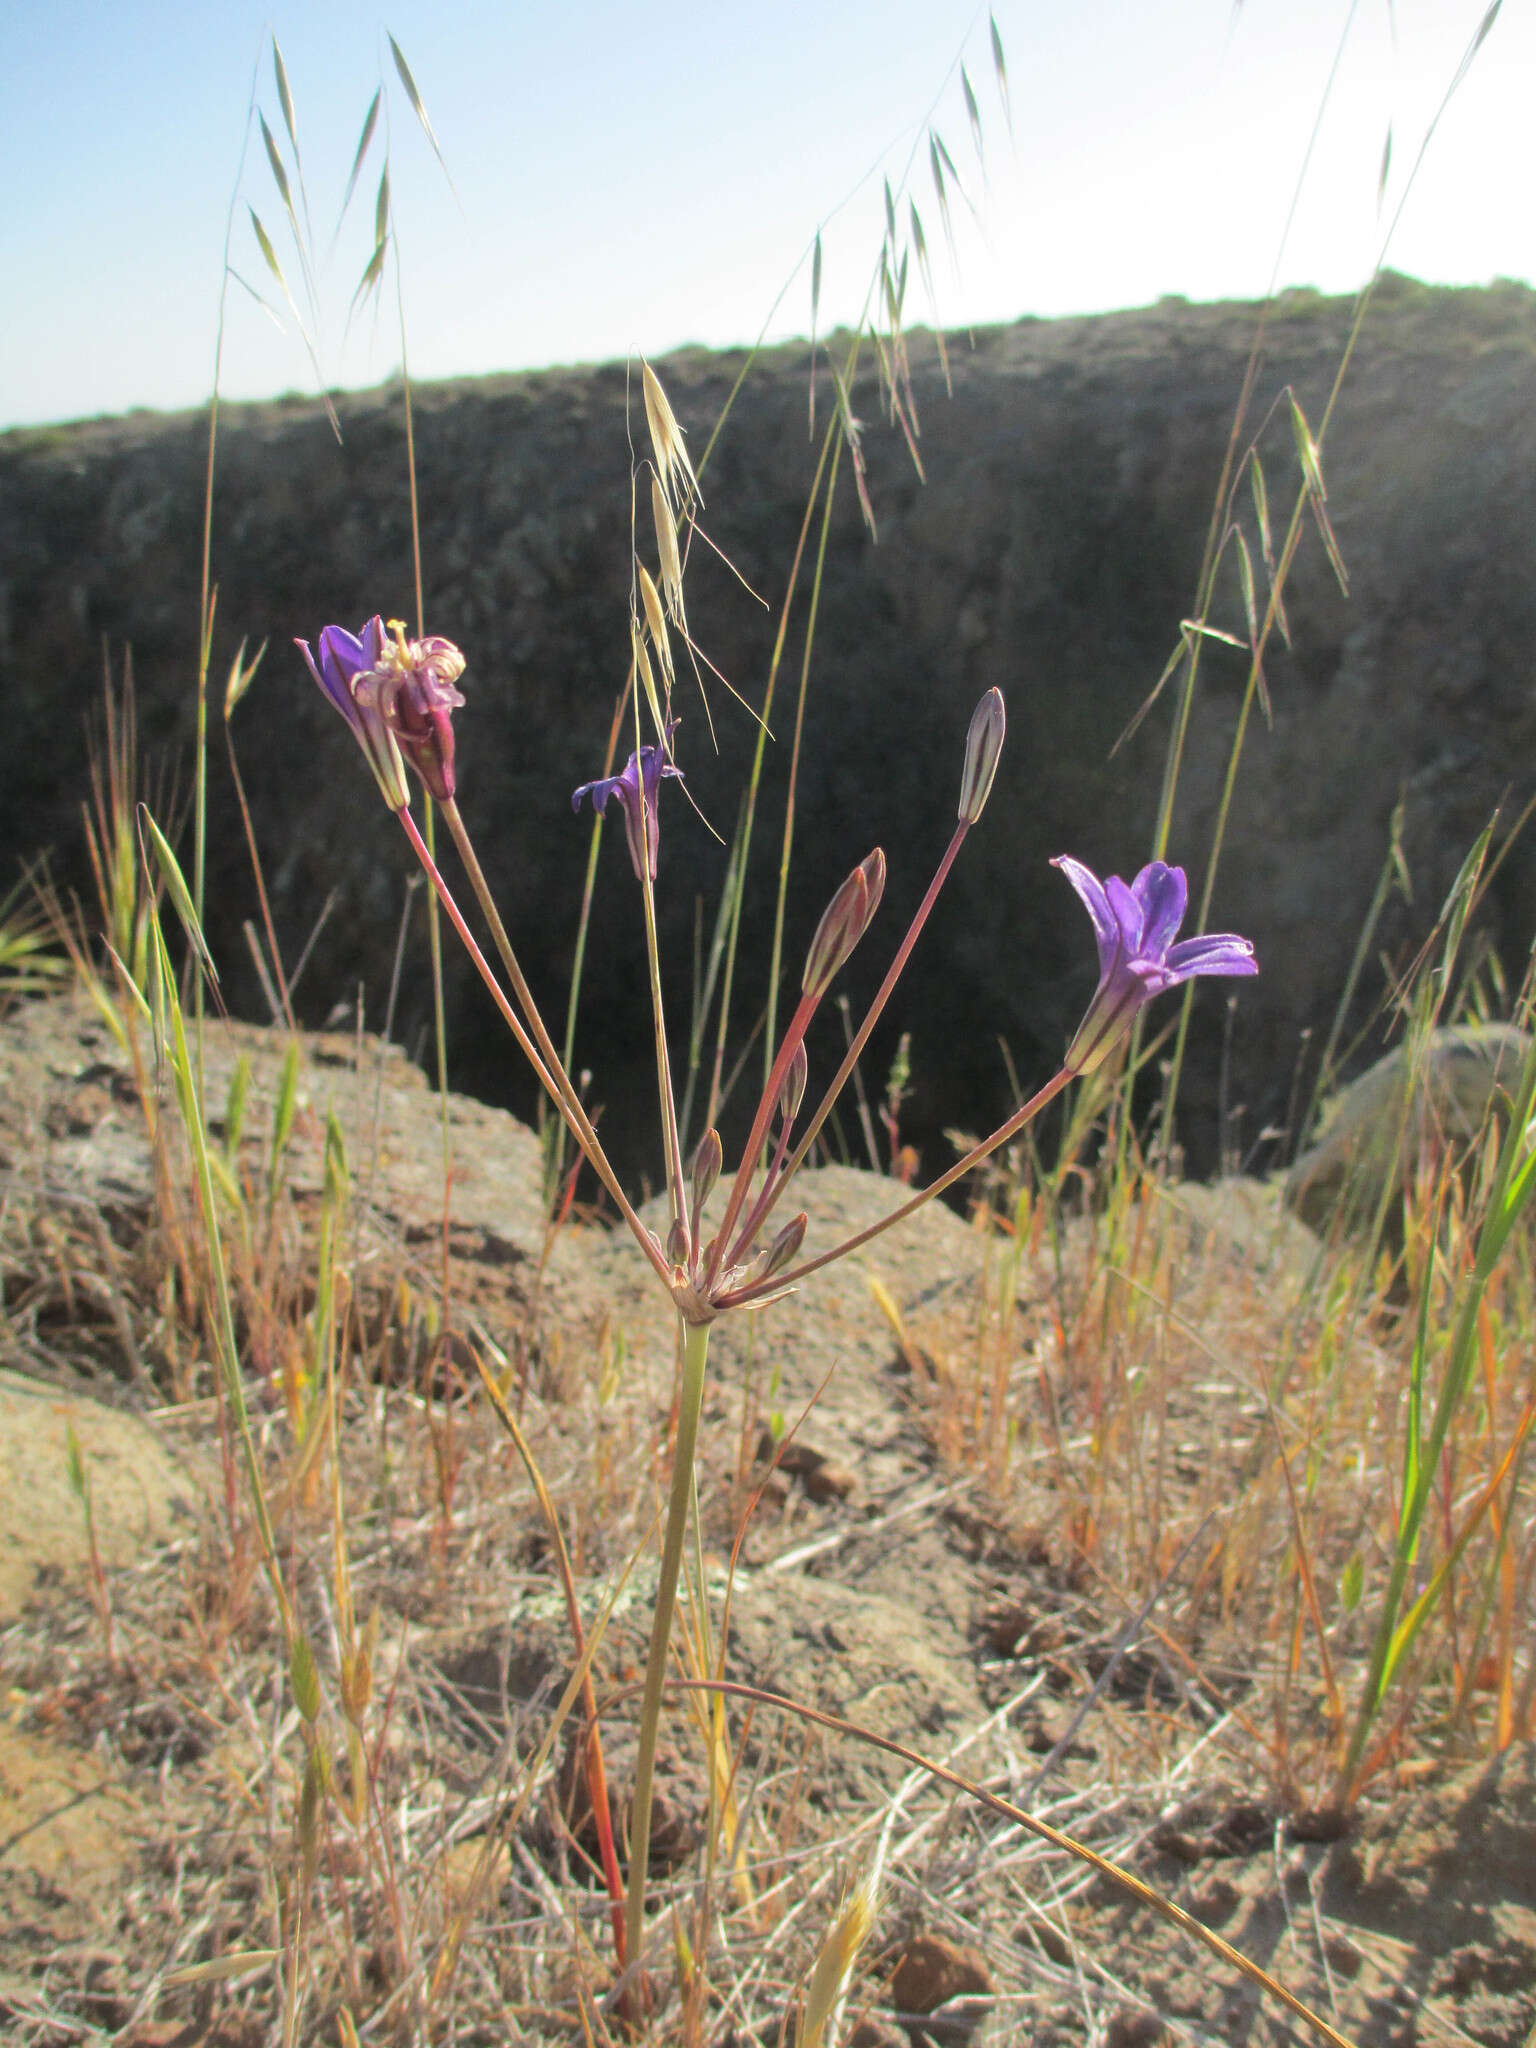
1383, 1123
1052, 551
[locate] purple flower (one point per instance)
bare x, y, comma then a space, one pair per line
411, 687
637, 789
1135, 926
345, 659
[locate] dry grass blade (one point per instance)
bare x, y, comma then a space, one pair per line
1125, 1880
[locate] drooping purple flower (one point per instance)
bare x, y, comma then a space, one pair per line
397, 695
642, 779
1135, 925
345, 658
411, 686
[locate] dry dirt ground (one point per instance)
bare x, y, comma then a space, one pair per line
896, 1570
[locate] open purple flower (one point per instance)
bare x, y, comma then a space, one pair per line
345, 659
637, 789
1135, 925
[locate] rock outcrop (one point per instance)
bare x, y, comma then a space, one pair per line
1053, 550
1419, 1103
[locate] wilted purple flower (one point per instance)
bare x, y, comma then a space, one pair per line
1135, 926
643, 772
411, 687
345, 658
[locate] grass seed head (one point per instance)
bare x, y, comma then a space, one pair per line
676, 471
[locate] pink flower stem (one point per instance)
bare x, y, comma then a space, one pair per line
804, 1011
671, 1139
569, 1102
861, 1036
514, 1023
973, 1158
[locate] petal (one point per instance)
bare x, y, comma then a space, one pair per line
342, 653
598, 791
1216, 953
1091, 892
330, 678
1128, 913
1163, 895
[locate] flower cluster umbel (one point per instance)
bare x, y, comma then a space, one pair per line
398, 694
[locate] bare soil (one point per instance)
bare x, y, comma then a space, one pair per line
901, 1566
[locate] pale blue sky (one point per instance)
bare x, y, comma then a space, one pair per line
631, 177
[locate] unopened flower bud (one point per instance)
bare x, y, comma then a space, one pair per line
705, 1171
782, 1250
844, 922
792, 1088
707, 1162
677, 1244
983, 744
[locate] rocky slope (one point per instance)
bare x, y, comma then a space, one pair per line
1052, 550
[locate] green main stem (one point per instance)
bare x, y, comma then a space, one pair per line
690, 1403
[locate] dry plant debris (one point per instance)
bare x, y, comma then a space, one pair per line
967, 1585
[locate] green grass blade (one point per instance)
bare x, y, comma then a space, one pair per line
180, 894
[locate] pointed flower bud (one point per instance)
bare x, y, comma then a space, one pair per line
844, 922
983, 744
781, 1251
792, 1088
705, 1172
344, 660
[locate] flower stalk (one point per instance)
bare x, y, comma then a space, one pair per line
397, 695
690, 1403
